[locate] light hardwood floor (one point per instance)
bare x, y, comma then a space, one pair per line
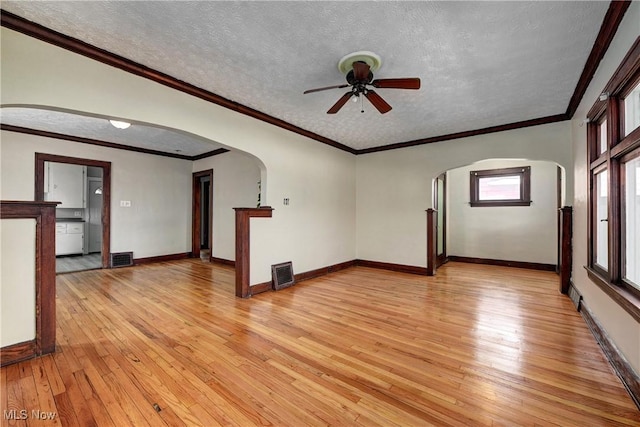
474, 346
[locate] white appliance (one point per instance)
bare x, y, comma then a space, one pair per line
69, 238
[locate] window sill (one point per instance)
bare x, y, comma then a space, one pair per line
501, 203
622, 296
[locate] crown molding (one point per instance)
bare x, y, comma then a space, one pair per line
32, 29
610, 24
608, 29
91, 141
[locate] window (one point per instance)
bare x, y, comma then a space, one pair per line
501, 187
613, 136
632, 110
602, 137
601, 236
631, 223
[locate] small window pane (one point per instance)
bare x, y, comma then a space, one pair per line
632, 110
632, 221
602, 227
499, 188
602, 137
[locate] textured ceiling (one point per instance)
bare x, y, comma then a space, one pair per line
481, 64
138, 135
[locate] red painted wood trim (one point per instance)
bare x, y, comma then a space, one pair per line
566, 249
161, 258
243, 258
44, 214
431, 241
504, 263
617, 84
261, 287
620, 294
400, 268
623, 368
17, 352
608, 29
323, 271
222, 261
307, 275
40, 32
89, 141
48, 35
465, 134
65, 137
41, 158
209, 154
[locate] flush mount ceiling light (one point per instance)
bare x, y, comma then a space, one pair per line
118, 124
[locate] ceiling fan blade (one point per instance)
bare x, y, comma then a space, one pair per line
324, 88
403, 83
338, 105
377, 101
360, 70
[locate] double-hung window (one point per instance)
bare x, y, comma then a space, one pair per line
614, 185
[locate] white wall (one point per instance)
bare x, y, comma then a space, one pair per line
620, 326
159, 188
235, 185
510, 233
17, 281
319, 180
395, 187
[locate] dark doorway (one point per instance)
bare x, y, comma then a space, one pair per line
202, 213
559, 220
440, 205
205, 226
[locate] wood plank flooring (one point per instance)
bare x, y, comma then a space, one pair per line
66, 264
168, 344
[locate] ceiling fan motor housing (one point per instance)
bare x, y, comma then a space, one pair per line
351, 79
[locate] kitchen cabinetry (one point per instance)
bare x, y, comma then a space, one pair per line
65, 183
69, 238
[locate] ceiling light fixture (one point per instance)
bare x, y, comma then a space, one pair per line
118, 124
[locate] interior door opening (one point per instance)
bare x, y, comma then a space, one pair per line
83, 188
205, 225
440, 199
202, 214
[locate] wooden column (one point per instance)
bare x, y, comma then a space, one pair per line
431, 241
566, 255
44, 214
243, 258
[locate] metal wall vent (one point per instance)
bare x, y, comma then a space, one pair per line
282, 275
121, 259
575, 296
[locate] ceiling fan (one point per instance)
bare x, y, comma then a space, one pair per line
359, 67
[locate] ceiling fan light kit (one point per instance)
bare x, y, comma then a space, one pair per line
359, 67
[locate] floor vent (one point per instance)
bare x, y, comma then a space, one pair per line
121, 259
282, 275
575, 296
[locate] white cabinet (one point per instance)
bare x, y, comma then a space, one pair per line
69, 238
65, 183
